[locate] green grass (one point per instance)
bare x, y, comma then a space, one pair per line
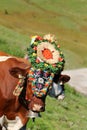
67, 19
69, 114
12, 42
13, 5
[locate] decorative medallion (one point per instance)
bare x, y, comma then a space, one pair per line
45, 54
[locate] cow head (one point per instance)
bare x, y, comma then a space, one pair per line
34, 91
57, 89
40, 81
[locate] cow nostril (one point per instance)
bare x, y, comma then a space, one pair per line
42, 108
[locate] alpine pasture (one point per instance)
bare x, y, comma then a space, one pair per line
21, 19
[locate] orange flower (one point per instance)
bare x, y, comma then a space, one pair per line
35, 48
39, 38
58, 46
47, 54
31, 79
46, 84
31, 72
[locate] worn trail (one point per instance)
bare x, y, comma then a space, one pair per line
78, 79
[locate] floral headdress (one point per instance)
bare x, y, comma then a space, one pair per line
45, 54
46, 59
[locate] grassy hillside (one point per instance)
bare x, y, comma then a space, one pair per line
67, 19
13, 42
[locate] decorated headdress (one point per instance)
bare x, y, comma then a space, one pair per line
46, 59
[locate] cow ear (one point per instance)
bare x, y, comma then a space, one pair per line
64, 78
16, 71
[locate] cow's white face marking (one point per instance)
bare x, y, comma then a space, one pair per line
4, 58
11, 124
56, 89
2, 120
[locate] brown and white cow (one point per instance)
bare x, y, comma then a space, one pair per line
14, 110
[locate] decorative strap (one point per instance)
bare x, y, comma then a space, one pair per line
19, 86
41, 81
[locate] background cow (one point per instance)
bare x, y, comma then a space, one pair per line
14, 110
58, 86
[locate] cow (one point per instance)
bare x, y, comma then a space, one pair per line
14, 110
58, 86
16, 105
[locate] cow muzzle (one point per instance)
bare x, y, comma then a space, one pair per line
35, 112
38, 108
37, 105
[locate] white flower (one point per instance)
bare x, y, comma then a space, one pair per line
49, 37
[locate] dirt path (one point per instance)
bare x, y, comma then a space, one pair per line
78, 79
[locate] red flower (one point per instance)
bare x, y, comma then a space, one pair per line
60, 59
39, 38
31, 79
37, 61
54, 65
35, 48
